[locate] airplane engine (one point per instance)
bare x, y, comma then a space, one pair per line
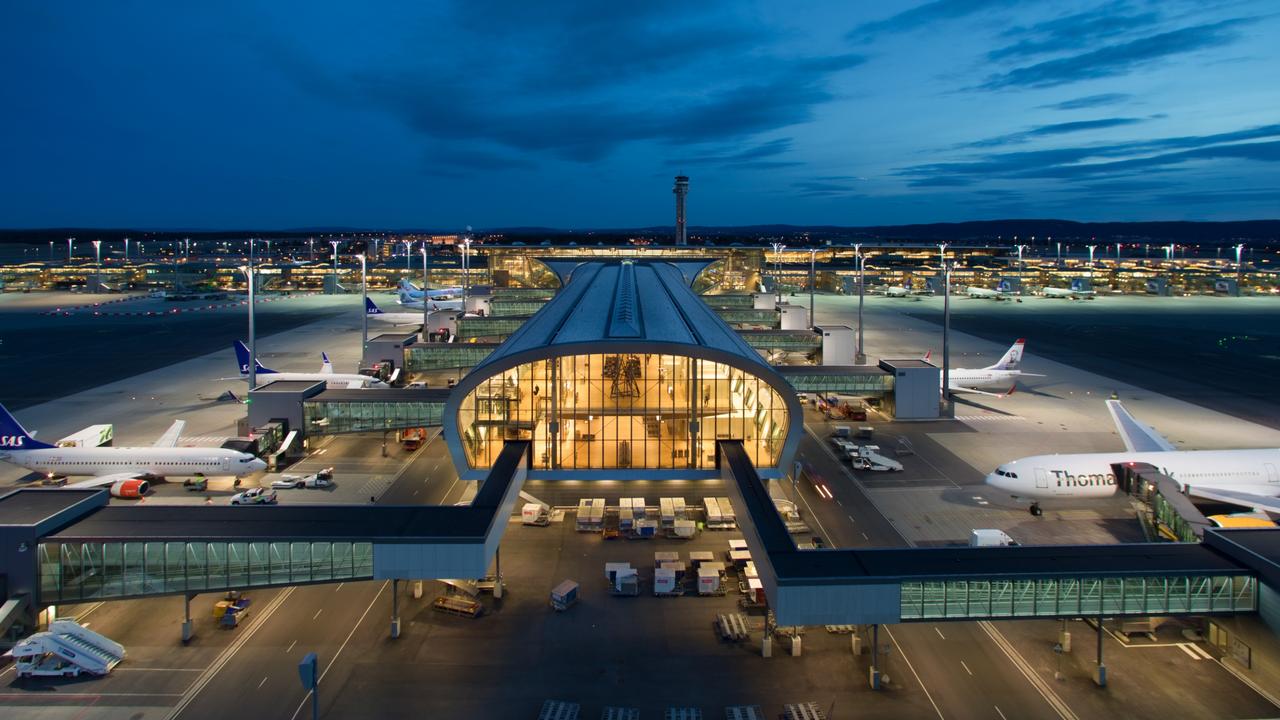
130, 489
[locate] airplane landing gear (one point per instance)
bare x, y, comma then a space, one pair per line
1035, 510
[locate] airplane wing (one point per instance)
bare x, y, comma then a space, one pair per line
170, 436
983, 392
1249, 500
1137, 436
103, 480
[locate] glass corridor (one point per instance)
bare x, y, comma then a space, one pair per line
1076, 597
87, 571
622, 411
331, 417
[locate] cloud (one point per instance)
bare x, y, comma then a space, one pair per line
749, 157
445, 159
1088, 101
1221, 197
927, 14
1120, 58
578, 85
1072, 32
1053, 129
1097, 161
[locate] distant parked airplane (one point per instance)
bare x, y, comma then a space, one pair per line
1004, 373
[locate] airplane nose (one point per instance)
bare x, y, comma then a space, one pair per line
996, 481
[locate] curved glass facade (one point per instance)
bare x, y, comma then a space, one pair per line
624, 410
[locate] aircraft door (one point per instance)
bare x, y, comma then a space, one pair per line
1042, 478
1273, 476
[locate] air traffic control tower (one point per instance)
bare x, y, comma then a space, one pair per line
625, 374
681, 191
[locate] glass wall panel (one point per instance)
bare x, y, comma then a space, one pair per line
608, 411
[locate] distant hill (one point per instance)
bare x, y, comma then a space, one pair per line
1255, 232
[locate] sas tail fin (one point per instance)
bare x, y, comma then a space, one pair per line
242, 360
1012, 357
14, 437
371, 308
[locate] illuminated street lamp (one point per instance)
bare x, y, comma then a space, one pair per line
97, 253
311, 248
335, 244
1059, 252
1091, 249
51, 251
859, 354
1239, 267
777, 264
408, 252
1118, 246
1168, 251
364, 308
947, 410
466, 274
70, 248
424, 289
253, 336
1020, 248
813, 275
126, 250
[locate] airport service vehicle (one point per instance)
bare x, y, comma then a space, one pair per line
868, 457
1249, 478
564, 595
320, 479
326, 373
66, 649
413, 438
407, 288
126, 472
990, 538
399, 318
255, 496
1004, 373
535, 513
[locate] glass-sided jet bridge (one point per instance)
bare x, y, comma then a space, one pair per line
77, 549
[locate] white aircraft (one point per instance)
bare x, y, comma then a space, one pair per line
982, 293
126, 472
1077, 291
331, 378
897, 291
408, 302
1004, 373
415, 293
1240, 477
399, 318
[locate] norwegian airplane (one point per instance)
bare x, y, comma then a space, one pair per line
1249, 478
126, 472
1005, 372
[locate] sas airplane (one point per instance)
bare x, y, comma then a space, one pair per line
399, 318
1004, 373
125, 472
331, 378
414, 293
1078, 291
1002, 291
1250, 478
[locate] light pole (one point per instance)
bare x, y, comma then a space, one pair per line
946, 341
253, 336
50, 251
1059, 252
335, 244
942, 259
777, 269
186, 252
408, 253
813, 274
126, 250
364, 309
70, 248
860, 353
97, 254
466, 274
424, 289
311, 248
1091, 249
1239, 267
1168, 251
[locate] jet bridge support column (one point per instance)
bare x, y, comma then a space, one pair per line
187, 632
395, 609
874, 675
1100, 672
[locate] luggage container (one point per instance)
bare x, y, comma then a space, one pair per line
584, 515
738, 544
684, 529
665, 583
645, 529
626, 517
697, 557
739, 558
665, 556
709, 582
666, 513
564, 595
726, 512
755, 591
676, 566
597, 513
712, 506
681, 510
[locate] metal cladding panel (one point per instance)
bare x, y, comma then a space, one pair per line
429, 561
836, 604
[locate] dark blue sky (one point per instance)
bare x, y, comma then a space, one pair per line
577, 114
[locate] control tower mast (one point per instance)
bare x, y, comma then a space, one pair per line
681, 190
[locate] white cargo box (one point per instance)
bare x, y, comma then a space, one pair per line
708, 581
738, 544
664, 581
682, 512
613, 569
751, 571
665, 556
685, 528
697, 557
726, 509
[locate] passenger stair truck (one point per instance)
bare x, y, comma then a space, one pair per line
67, 649
870, 454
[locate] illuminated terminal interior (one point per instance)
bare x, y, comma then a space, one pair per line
625, 370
